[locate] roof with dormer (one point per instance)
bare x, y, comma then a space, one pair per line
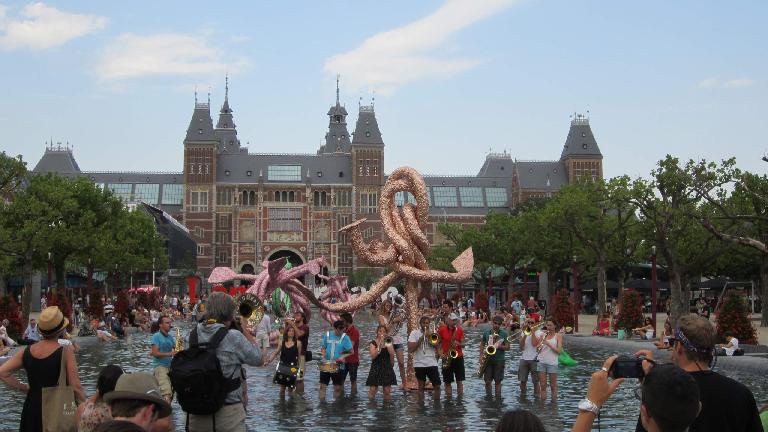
581, 141
57, 159
200, 125
367, 128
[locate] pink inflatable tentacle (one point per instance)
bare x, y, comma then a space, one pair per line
358, 302
412, 227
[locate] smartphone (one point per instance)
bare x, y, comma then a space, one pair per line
626, 366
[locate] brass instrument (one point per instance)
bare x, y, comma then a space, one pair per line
490, 348
387, 340
541, 345
251, 308
527, 330
396, 315
434, 336
179, 341
452, 353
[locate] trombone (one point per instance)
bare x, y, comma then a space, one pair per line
527, 330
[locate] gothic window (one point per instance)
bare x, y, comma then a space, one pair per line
369, 202
284, 219
198, 201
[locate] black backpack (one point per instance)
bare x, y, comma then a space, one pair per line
196, 376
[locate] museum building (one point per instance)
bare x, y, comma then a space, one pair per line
242, 208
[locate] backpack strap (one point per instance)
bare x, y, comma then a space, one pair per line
220, 334
193, 337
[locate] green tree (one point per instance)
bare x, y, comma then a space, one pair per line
26, 223
13, 172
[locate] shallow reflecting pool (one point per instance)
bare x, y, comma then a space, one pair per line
473, 412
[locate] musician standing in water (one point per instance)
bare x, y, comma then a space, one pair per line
528, 361
393, 320
424, 359
548, 350
452, 338
353, 360
494, 370
302, 334
336, 344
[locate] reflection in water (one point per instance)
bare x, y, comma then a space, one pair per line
474, 411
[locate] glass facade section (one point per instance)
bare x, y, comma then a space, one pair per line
471, 196
147, 192
121, 190
284, 219
445, 196
284, 173
404, 197
496, 197
173, 194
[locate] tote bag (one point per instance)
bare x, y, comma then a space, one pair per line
59, 406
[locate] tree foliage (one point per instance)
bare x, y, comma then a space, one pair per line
734, 318
630, 312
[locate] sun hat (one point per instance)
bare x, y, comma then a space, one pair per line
51, 321
139, 386
453, 317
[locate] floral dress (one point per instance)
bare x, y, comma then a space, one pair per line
94, 414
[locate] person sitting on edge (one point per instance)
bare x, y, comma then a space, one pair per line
136, 404
604, 326
646, 331
163, 350
494, 370
4, 333
31, 334
520, 420
669, 398
728, 348
335, 346
665, 336
424, 359
726, 404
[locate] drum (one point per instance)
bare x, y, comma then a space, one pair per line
329, 367
286, 375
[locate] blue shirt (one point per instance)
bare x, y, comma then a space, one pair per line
334, 345
165, 344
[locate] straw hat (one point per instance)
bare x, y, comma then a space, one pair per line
51, 321
139, 386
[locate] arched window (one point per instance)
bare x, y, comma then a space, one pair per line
291, 196
252, 198
284, 196
244, 201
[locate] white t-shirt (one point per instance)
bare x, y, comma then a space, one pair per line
529, 351
424, 356
547, 355
735, 346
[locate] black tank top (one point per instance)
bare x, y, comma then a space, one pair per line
289, 355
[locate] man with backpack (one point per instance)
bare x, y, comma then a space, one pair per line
207, 376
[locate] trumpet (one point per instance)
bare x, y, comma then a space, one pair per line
433, 337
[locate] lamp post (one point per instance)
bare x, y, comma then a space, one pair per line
577, 294
89, 281
153, 271
50, 270
653, 288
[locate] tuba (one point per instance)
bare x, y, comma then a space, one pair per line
251, 308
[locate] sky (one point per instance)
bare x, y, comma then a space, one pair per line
452, 80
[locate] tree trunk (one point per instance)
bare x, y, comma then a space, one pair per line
675, 296
764, 290
602, 291
61, 278
26, 293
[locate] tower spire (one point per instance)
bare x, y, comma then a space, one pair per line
226, 86
337, 89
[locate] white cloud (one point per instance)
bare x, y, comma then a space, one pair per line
40, 27
728, 84
133, 56
709, 83
405, 54
739, 83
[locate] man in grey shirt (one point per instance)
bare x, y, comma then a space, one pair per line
234, 351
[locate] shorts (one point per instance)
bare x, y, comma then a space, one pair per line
494, 372
422, 373
337, 378
455, 371
352, 368
548, 368
525, 367
397, 346
302, 364
161, 375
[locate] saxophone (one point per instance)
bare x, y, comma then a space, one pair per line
490, 349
